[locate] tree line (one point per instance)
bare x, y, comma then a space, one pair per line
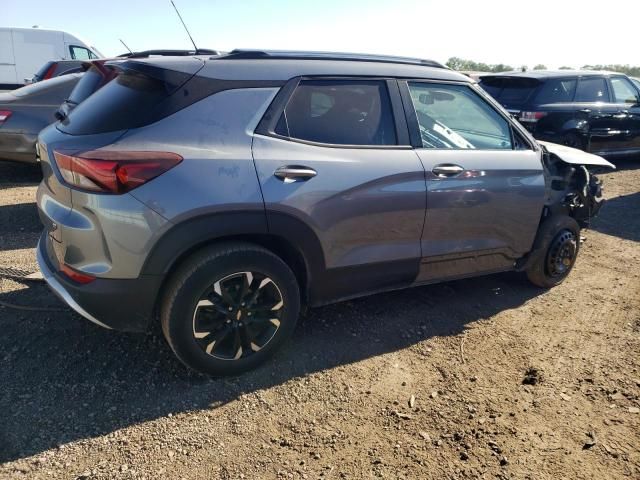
457, 63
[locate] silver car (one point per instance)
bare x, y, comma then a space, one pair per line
224, 194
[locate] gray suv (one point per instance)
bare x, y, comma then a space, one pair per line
225, 194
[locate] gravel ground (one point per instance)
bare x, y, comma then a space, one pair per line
481, 378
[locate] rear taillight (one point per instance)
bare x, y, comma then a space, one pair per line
75, 275
531, 116
4, 115
49, 73
113, 171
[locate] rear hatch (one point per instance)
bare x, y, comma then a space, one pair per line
87, 175
142, 93
513, 93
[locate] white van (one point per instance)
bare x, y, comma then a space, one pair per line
24, 50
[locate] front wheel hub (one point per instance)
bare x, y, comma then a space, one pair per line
238, 315
562, 253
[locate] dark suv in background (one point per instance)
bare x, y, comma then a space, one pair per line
598, 112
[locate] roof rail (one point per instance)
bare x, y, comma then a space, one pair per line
170, 53
240, 54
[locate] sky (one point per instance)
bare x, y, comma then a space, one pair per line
552, 32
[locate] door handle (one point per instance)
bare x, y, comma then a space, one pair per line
294, 173
585, 110
447, 170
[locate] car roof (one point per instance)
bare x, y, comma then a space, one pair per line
544, 74
283, 65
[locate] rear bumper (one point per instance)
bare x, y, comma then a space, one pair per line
126, 305
19, 147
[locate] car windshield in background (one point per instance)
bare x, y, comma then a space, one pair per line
557, 90
39, 87
510, 91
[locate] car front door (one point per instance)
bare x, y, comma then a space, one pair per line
485, 184
626, 98
340, 179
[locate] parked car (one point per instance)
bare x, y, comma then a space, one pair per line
55, 68
226, 193
598, 112
26, 111
23, 51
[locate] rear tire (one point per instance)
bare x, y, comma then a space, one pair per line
554, 252
229, 307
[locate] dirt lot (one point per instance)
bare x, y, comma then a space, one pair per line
483, 378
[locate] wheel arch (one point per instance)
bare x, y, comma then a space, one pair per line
288, 238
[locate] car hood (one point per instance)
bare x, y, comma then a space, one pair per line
575, 156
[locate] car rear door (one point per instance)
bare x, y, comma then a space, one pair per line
340, 179
626, 98
485, 184
593, 105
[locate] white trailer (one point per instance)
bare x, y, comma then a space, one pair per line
24, 50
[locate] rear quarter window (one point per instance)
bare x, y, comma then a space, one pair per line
557, 90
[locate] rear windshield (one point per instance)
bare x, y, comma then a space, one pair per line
88, 84
126, 102
43, 86
509, 90
40, 73
557, 90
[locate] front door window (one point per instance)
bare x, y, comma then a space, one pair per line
455, 117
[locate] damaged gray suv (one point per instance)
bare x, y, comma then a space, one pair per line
225, 194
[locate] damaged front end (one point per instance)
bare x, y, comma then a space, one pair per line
571, 187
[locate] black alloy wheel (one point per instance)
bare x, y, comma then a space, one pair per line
238, 315
229, 307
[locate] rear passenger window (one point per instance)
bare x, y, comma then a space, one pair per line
559, 90
339, 112
592, 89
